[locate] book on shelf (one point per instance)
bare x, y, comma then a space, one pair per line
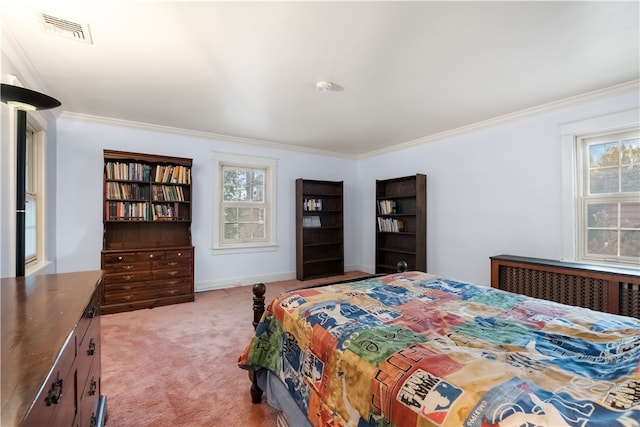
173, 174
311, 221
386, 207
128, 171
312, 204
127, 191
390, 225
167, 193
166, 211
127, 211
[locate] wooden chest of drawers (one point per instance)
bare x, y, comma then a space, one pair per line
146, 278
51, 351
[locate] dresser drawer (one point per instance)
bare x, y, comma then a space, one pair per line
127, 267
171, 263
134, 276
179, 254
88, 316
172, 273
89, 350
149, 255
55, 405
150, 291
89, 397
119, 258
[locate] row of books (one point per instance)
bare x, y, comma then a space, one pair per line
140, 211
386, 207
391, 225
128, 211
168, 192
174, 174
312, 204
311, 221
124, 191
128, 171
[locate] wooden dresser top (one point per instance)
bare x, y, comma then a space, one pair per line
39, 314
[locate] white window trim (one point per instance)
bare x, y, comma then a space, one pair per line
570, 133
220, 158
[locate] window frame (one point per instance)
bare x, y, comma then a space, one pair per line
32, 173
574, 203
241, 161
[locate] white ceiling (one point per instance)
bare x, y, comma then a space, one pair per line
402, 71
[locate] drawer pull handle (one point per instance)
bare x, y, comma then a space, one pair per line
151, 256
119, 258
173, 273
55, 393
127, 267
92, 387
92, 347
172, 291
172, 282
172, 263
127, 297
179, 253
94, 420
128, 277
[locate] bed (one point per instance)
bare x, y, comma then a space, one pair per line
415, 349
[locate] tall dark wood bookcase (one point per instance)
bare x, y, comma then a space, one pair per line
319, 229
147, 255
401, 223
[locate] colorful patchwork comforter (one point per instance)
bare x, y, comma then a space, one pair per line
411, 349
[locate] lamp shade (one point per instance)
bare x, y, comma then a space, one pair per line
27, 99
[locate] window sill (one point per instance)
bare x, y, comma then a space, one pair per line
244, 249
43, 267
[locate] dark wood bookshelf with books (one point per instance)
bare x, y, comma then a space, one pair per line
401, 223
319, 229
147, 252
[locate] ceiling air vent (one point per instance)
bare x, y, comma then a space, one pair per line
68, 29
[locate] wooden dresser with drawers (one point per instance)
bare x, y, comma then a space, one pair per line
51, 351
146, 278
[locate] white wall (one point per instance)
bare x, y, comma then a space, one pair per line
493, 191
79, 225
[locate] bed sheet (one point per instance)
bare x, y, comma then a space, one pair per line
412, 349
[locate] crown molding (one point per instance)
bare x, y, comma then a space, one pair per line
197, 134
619, 89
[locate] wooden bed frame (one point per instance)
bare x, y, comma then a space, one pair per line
608, 289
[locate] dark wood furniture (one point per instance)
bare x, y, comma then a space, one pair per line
147, 255
401, 223
51, 351
319, 229
608, 289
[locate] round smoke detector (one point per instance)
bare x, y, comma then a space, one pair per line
323, 86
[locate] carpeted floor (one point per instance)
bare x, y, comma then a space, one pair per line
176, 365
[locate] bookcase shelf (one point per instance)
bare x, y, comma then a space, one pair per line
319, 229
147, 254
401, 223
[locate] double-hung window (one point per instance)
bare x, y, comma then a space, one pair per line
609, 204
244, 203
601, 181
33, 201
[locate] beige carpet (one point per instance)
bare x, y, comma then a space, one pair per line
177, 365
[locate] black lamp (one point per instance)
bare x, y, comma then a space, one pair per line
24, 100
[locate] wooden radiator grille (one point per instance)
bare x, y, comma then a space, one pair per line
572, 290
609, 289
630, 299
